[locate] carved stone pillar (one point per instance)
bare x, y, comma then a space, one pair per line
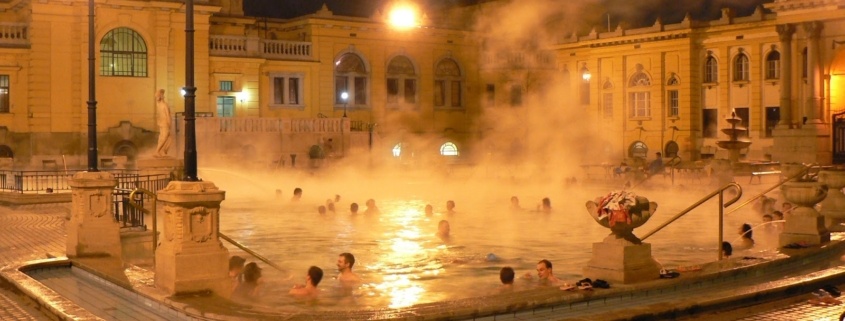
191, 257
92, 229
813, 106
785, 33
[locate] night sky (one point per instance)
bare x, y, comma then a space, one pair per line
635, 13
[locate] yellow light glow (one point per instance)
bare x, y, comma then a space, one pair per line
403, 16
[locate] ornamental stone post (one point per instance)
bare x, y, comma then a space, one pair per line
92, 229
191, 257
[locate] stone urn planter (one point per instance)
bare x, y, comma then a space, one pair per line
621, 256
833, 206
804, 225
788, 170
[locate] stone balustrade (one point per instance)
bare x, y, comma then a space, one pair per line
250, 46
14, 34
271, 125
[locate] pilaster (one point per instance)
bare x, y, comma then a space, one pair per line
92, 229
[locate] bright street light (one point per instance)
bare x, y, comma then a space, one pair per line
345, 96
403, 16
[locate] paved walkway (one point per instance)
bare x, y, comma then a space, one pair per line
27, 235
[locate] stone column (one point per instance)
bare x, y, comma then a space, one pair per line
785, 33
191, 257
813, 106
92, 229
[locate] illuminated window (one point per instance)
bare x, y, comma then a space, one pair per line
401, 81
351, 77
449, 149
123, 52
448, 84
397, 150
225, 106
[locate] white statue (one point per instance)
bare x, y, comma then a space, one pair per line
163, 122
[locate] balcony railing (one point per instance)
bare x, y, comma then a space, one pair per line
14, 34
241, 46
271, 125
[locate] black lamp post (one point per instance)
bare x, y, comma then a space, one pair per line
92, 100
190, 95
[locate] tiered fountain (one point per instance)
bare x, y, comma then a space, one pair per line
734, 144
724, 168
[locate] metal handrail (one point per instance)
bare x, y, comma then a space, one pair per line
803, 172
146, 211
251, 252
722, 205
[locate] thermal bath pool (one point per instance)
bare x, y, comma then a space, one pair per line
403, 263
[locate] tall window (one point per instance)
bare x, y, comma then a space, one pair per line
350, 77
585, 85
607, 105
287, 89
226, 85
773, 65
743, 113
674, 103
4, 94
123, 52
741, 67
401, 81
447, 84
710, 123
639, 95
516, 95
225, 106
711, 70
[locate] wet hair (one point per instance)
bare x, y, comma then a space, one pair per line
767, 216
252, 272
727, 248
349, 258
778, 214
746, 231
297, 191
316, 274
506, 275
450, 202
545, 262
236, 262
353, 207
547, 202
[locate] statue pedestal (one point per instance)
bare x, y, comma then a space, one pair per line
191, 257
162, 165
92, 229
617, 260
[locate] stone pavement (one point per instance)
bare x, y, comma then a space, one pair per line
38, 232
26, 235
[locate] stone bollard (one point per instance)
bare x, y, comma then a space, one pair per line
804, 225
191, 257
92, 229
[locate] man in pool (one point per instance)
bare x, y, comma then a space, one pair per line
450, 207
309, 289
545, 274
347, 278
353, 208
506, 275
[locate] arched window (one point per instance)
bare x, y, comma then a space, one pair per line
448, 84
671, 149
401, 81
6, 152
125, 148
638, 149
639, 96
773, 65
449, 149
123, 52
741, 67
711, 70
350, 77
673, 97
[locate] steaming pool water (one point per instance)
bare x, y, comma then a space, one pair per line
403, 263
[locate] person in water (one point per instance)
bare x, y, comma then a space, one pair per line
443, 230
450, 207
353, 208
347, 278
248, 289
429, 210
746, 240
309, 289
506, 275
545, 206
371, 207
